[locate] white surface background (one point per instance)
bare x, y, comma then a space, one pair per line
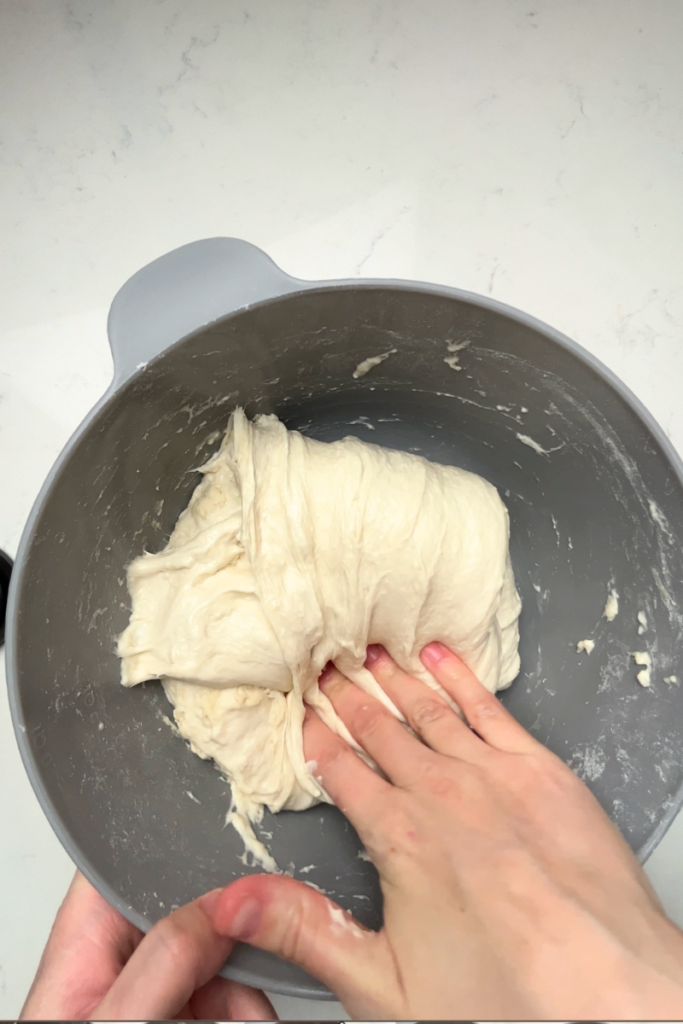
532, 151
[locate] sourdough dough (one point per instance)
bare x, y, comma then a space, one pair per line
293, 553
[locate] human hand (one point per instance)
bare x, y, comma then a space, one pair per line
98, 966
508, 893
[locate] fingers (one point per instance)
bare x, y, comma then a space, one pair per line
288, 918
180, 954
222, 1000
425, 710
400, 756
484, 712
355, 788
88, 945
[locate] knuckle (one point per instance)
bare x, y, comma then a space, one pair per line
368, 720
437, 778
333, 683
484, 709
385, 667
556, 776
331, 758
466, 785
292, 942
429, 767
544, 768
176, 940
428, 712
540, 781
443, 786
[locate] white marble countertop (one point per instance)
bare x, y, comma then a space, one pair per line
532, 151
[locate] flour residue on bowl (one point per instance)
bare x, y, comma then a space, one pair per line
535, 446
589, 763
659, 519
454, 347
362, 421
663, 571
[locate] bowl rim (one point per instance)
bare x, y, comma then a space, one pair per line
254, 978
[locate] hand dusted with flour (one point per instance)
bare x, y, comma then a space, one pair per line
293, 553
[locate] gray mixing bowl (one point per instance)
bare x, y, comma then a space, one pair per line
595, 494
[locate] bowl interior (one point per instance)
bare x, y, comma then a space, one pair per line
594, 502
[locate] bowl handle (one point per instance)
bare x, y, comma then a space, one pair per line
184, 290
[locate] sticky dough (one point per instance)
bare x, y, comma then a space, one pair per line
293, 553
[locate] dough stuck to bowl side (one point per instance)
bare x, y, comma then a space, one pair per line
293, 553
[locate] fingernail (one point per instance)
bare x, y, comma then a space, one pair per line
373, 652
434, 653
246, 922
208, 901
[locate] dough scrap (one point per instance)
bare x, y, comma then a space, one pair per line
643, 658
611, 606
290, 554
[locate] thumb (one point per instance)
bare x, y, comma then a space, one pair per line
292, 920
180, 954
